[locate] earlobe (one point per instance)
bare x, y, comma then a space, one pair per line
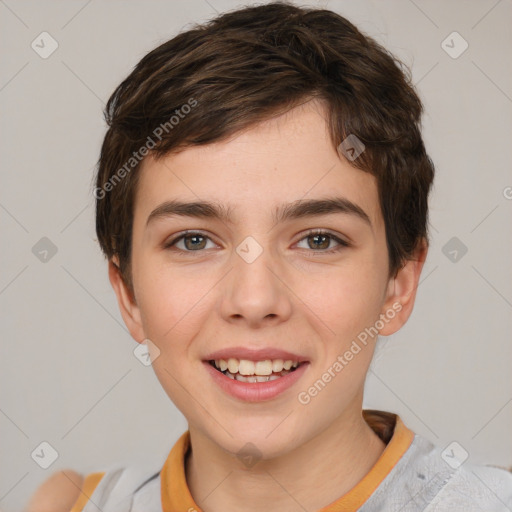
401, 292
126, 301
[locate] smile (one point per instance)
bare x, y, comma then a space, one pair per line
244, 370
255, 381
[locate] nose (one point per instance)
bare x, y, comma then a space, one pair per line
255, 291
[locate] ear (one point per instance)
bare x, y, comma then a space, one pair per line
401, 292
126, 301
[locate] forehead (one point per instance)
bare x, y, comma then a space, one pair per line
279, 161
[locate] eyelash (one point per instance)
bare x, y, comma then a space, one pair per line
313, 232
342, 244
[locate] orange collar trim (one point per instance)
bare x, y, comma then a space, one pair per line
355, 498
175, 494
90, 483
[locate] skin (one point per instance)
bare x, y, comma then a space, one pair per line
58, 493
292, 296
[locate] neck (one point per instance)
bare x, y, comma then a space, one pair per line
330, 464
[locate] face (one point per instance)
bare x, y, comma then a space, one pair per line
258, 278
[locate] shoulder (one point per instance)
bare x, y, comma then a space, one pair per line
119, 488
58, 493
68, 491
450, 482
434, 479
121, 485
476, 488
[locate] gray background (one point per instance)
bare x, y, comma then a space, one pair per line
68, 373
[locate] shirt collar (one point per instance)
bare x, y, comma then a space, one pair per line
175, 494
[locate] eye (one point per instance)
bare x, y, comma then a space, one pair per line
320, 241
191, 241
317, 240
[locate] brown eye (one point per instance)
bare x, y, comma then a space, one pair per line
322, 242
194, 242
189, 242
319, 241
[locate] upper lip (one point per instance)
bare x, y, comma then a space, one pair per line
260, 354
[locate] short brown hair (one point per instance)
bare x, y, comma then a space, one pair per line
245, 67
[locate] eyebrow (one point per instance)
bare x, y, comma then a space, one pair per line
295, 210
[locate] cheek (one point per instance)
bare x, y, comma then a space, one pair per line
173, 305
347, 299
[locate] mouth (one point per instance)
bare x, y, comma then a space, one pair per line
245, 370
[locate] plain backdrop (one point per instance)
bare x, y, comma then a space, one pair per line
68, 373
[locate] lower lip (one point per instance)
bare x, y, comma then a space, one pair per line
256, 391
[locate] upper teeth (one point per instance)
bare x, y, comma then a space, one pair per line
246, 367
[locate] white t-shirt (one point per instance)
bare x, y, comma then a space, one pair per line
412, 475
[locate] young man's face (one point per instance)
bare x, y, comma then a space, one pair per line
258, 282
